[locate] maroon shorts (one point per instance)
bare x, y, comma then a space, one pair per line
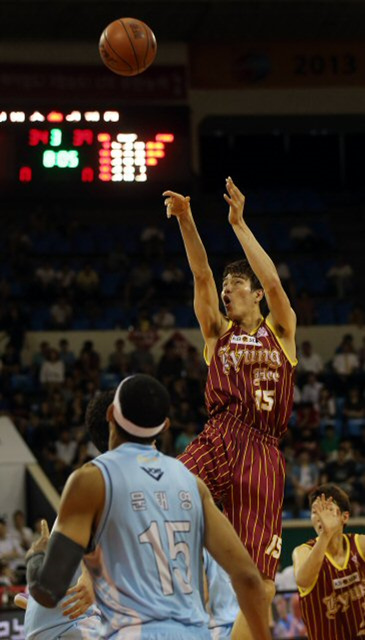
245, 472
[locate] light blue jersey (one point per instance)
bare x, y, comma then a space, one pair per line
41, 623
223, 606
147, 563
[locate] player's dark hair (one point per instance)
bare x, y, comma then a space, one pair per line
145, 402
242, 268
96, 421
329, 490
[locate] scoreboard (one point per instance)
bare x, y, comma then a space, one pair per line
93, 151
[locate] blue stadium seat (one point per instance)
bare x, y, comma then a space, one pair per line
109, 380
305, 514
40, 319
22, 382
80, 324
325, 314
110, 284
342, 311
185, 317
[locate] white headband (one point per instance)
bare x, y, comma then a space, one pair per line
127, 425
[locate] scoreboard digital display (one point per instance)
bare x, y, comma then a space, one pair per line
93, 150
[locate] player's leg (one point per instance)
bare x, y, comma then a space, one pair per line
240, 629
254, 507
254, 503
208, 457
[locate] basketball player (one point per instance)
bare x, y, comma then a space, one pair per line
221, 601
146, 518
330, 570
75, 617
249, 390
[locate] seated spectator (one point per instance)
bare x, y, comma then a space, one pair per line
15, 323
87, 281
61, 314
66, 447
170, 365
346, 344
143, 333
141, 360
52, 372
93, 356
37, 528
308, 417
67, 356
308, 441
303, 237
326, 407
185, 437
304, 477
82, 455
340, 278
65, 280
311, 390
7, 578
361, 355
139, 286
57, 403
171, 282
10, 360
286, 278
304, 308
163, 318
45, 279
308, 360
20, 532
330, 443
340, 471
346, 365
118, 359
117, 261
11, 553
19, 405
40, 356
182, 414
360, 445
354, 412
357, 316
152, 240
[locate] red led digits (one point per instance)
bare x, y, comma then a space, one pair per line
87, 174
38, 136
25, 174
82, 136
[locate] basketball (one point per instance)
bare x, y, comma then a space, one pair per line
127, 46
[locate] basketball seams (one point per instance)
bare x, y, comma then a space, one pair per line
131, 43
115, 52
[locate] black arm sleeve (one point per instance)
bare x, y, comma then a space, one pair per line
49, 575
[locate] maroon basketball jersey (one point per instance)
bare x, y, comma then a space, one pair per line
251, 378
334, 608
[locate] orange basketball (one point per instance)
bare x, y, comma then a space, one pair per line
127, 46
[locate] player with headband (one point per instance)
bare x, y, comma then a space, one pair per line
143, 519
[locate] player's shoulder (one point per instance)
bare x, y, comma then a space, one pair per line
359, 539
84, 478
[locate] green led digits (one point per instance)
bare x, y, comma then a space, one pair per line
55, 137
62, 159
